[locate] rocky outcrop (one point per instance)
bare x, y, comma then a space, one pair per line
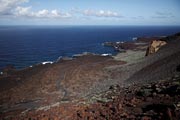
139, 43
155, 46
128, 45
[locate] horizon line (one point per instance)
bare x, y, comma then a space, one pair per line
87, 25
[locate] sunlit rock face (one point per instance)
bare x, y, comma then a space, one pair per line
155, 46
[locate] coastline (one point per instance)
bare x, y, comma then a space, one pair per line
86, 80
57, 60
81, 54
27, 55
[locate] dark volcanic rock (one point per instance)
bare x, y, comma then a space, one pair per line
178, 68
91, 87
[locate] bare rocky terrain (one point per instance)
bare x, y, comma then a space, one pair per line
129, 85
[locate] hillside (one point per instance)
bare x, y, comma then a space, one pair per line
126, 86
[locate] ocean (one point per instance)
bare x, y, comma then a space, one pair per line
23, 46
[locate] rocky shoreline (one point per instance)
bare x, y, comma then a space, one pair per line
140, 82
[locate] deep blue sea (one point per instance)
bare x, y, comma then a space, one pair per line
23, 46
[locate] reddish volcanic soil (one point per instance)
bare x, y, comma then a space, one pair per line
96, 87
47, 84
158, 100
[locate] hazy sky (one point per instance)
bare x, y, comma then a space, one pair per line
89, 12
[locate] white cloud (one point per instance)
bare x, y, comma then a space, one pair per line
96, 13
26, 12
22, 11
55, 13
14, 8
101, 13
6, 6
42, 13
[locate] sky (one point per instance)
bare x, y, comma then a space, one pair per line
90, 12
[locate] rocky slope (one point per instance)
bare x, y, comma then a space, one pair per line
98, 87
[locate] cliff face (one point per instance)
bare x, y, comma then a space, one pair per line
155, 46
